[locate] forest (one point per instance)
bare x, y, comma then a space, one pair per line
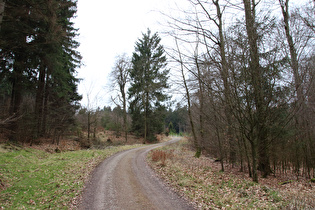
38, 87
245, 71
249, 83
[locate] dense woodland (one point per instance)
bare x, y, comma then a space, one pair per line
246, 71
38, 87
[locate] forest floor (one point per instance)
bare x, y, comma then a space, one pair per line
104, 138
47, 175
200, 181
31, 177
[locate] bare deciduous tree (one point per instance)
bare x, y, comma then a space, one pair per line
120, 75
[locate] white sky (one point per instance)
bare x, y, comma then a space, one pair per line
111, 27
107, 29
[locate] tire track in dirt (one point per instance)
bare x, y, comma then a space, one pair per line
125, 181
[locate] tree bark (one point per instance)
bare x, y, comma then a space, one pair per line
257, 81
2, 7
201, 105
146, 117
16, 95
39, 101
125, 113
224, 76
195, 140
293, 54
227, 91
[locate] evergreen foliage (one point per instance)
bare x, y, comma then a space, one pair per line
148, 77
177, 120
38, 61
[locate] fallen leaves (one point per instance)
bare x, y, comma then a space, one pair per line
200, 181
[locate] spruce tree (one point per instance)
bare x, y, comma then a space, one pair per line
38, 59
148, 77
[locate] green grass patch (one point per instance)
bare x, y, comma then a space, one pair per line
34, 179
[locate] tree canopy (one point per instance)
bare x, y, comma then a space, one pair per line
148, 77
38, 61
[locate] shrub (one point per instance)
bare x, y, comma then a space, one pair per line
160, 155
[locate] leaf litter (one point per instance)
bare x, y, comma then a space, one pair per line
200, 181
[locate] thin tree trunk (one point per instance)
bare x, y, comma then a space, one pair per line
146, 117
89, 125
45, 106
39, 101
125, 115
195, 140
122, 83
201, 108
220, 144
254, 161
2, 6
293, 54
16, 96
224, 75
247, 157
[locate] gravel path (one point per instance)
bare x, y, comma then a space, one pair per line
125, 181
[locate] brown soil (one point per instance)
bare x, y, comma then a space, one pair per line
125, 181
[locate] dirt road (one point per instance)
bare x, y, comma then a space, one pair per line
125, 181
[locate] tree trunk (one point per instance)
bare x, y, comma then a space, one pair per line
45, 106
293, 54
201, 101
2, 6
89, 125
254, 161
257, 82
220, 144
125, 113
224, 76
16, 96
39, 101
247, 157
227, 91
195, 140
301, 120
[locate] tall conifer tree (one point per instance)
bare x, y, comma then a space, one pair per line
38, 58
148, 83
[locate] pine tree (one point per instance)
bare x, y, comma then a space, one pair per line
38, 58
148, 81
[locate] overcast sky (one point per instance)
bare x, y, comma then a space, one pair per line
107, 29
111, 28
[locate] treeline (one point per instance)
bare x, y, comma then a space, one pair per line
38, 58
140, 83
175, 121
249, 83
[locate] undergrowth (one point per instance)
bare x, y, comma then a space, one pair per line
200, 181
161, 156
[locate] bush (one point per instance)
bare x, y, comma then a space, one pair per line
160, 155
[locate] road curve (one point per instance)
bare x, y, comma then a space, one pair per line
125, 181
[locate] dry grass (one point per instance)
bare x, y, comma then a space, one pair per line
161, 156
200, 181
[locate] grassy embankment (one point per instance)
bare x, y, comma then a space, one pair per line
34, 179
201, 182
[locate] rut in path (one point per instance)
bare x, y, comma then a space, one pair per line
125, 181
